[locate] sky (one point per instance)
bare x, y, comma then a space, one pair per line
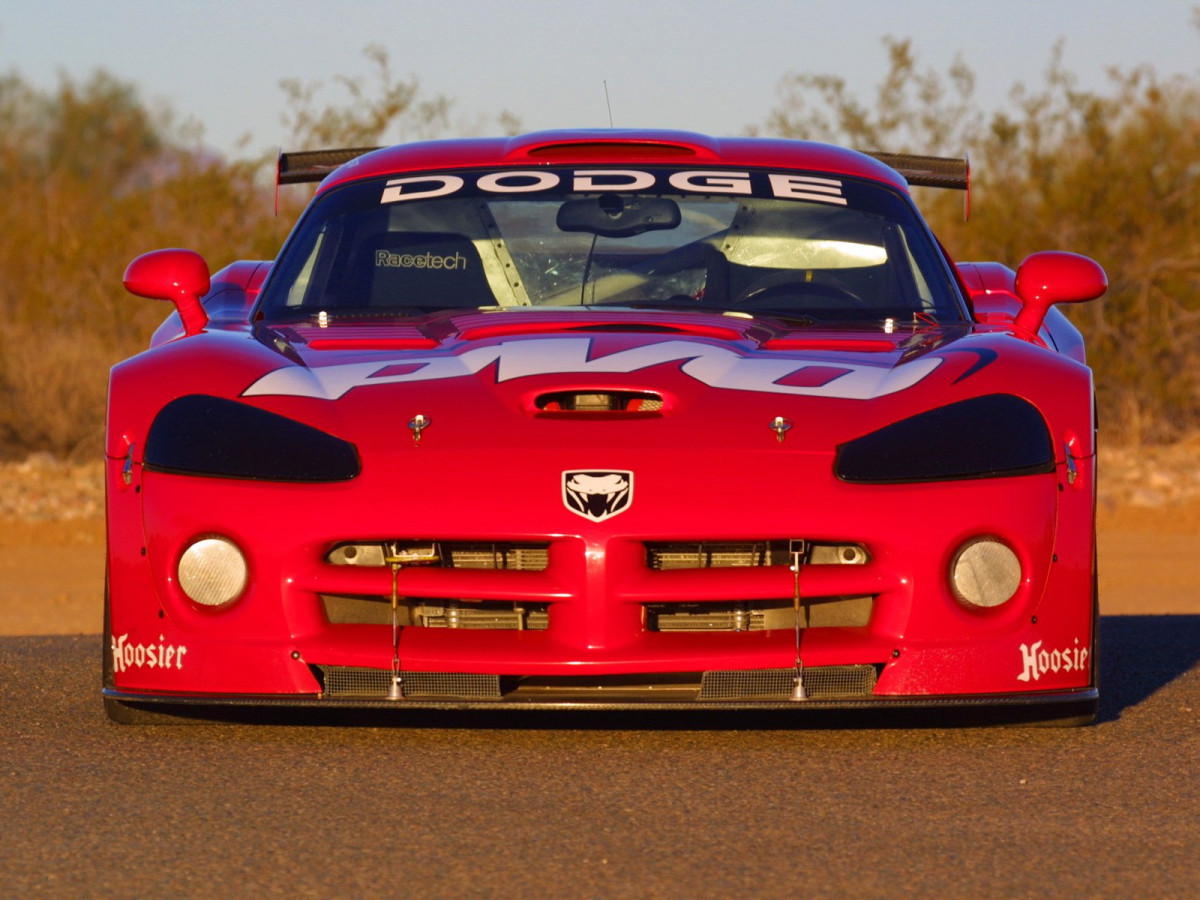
703, 65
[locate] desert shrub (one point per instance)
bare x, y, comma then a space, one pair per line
54, 386
92, 177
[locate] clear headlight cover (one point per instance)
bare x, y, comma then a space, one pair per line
985, 573
213, 572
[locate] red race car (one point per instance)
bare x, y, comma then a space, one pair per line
606, 420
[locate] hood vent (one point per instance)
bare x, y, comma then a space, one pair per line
592, 401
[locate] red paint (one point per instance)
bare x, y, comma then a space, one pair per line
180, 276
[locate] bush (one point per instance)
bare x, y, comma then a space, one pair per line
91, 178
54, 385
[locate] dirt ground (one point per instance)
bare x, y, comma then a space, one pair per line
52, 572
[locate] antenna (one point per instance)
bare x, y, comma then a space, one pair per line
608, 103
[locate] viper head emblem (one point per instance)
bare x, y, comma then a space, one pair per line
597, 495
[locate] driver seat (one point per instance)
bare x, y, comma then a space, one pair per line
423, 269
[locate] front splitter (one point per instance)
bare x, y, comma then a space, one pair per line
1067, 707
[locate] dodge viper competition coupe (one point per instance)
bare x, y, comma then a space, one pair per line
606, 420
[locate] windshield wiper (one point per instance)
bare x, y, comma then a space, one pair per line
802, 319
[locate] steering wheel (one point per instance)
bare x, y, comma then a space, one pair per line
796, 285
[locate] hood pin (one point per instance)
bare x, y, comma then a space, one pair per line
418, 424
781, 427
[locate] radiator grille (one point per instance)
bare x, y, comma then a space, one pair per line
417, 612
711, 555
705, 617
484, 616
350, 681
733, 554
525, 557
821, 683
760, 615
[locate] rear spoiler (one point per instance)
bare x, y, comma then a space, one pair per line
919, 171
932, 171
928, 171
311, 165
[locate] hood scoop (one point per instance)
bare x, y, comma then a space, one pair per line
591, 402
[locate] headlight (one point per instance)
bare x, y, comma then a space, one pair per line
985, 573
212, 571
984, 437
202, 435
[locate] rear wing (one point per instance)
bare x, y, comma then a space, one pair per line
919, 171
313, 165
931, 171
928, 171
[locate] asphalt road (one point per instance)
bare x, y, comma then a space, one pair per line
560, 806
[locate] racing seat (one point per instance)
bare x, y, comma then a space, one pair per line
423, 269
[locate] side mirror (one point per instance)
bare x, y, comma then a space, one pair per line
1044, 279
180, 276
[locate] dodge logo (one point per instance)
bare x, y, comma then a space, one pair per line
597, 495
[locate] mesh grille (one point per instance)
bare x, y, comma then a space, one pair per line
731, 554
485, 616
531, 557
349, 681
704, 617
416, 612
822, 683
524, 557
712, 555
759, 615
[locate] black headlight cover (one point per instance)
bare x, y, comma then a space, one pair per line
993, 436
219, 438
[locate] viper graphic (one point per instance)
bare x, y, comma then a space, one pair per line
597, 495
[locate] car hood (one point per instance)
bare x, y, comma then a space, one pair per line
528, 381
663, 352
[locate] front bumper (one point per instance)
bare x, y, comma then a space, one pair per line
279, 642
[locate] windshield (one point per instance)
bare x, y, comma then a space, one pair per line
723, 240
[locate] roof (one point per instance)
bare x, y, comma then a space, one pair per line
631, 147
